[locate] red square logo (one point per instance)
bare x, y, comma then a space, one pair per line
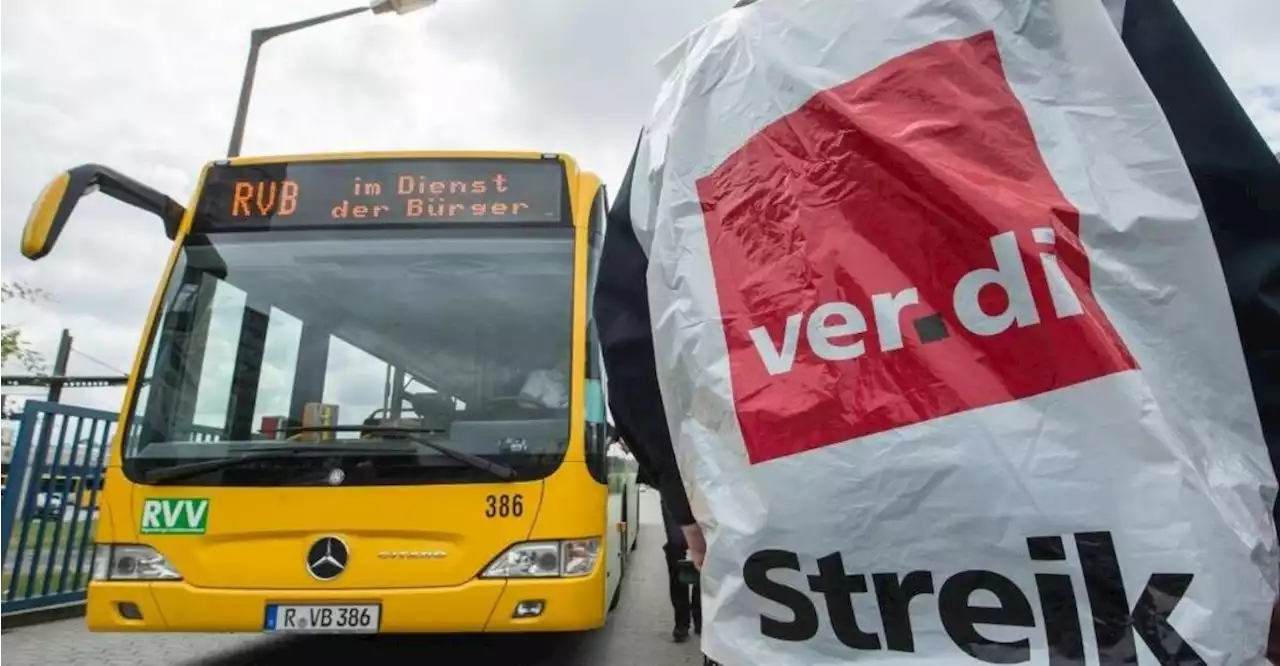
895, 251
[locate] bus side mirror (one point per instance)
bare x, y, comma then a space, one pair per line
53, 207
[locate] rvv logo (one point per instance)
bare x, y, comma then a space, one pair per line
174, 516
895, 251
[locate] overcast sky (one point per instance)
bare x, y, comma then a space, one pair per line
149, 87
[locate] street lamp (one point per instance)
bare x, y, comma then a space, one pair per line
259, 36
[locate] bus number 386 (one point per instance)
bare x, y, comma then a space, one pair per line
503, 506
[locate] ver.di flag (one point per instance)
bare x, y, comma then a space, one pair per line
946, 345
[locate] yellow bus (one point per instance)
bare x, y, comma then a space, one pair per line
367, 398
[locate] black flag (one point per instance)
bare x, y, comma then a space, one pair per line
1236, 174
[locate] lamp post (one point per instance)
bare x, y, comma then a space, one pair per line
259, 36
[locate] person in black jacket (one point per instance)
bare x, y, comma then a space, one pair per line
686, 599
621, 313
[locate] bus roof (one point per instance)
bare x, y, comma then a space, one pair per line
399, 154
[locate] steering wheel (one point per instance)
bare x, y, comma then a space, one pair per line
516, 407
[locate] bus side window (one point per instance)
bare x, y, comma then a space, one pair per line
597, 440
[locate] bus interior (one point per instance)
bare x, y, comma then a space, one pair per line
433, 329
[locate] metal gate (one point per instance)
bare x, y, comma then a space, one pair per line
50, 506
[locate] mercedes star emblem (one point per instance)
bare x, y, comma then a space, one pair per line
327, 558
336, 475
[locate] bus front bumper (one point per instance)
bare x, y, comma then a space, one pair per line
567, 604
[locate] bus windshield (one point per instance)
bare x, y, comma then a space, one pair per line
310, 351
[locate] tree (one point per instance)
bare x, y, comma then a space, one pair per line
14, 347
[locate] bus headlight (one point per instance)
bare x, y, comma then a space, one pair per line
546, 559
131, 562
578, 556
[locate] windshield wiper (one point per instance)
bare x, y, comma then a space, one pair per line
252, 454
422, 436
187, 470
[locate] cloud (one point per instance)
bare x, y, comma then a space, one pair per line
150, 87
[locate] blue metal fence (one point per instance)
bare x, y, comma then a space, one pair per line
50, 505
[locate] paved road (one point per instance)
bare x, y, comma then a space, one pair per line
639, 634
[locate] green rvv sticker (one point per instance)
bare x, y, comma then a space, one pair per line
175, 516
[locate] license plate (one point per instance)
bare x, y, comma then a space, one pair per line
326, 618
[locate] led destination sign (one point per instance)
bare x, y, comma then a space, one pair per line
363, 192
